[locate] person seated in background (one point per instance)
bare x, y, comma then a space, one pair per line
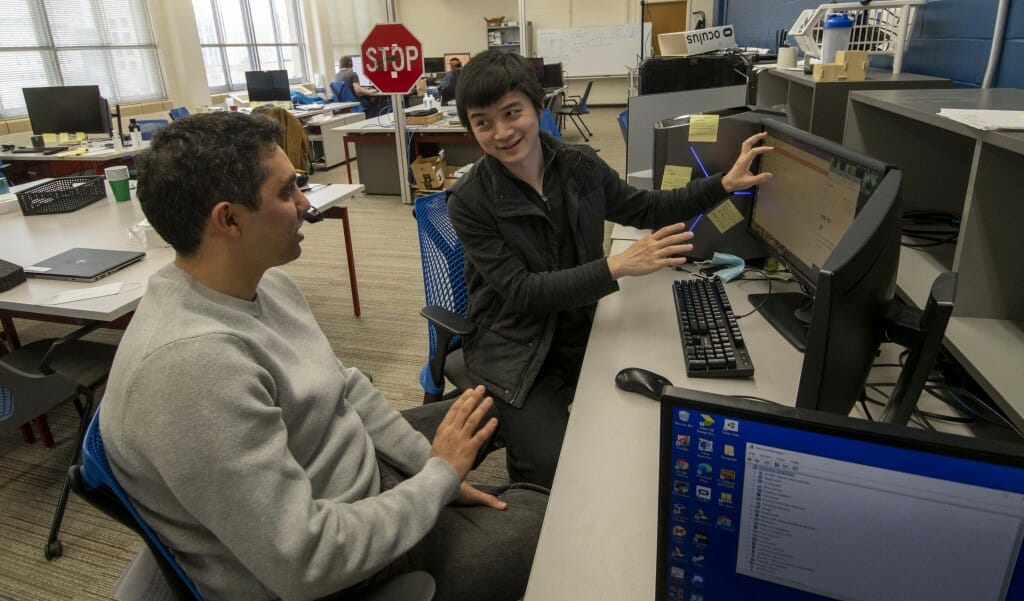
368, 96
531, 215
271, 469
450, 81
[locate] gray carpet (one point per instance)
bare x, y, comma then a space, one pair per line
389, 340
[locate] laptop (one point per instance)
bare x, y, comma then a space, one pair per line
760, 501
83, 264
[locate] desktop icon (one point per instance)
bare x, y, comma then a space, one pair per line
704, 469
725, 498
678, 531
727, 474
724, 521
677, 553
682, 441
682, 465
696, 597
681, 488
678, 508
729, 450
704, 492
700, 538
700, 516
706, 445
678, 573
683, 416
697, 580
706, 421
698, 559
730, 425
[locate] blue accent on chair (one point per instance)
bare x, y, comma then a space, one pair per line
548, 124
149, 127
95, 481
624, 125
343, 93
444, 286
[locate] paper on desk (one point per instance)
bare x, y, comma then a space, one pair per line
86, 293
986, 119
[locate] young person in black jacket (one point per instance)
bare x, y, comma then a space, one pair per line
530, 216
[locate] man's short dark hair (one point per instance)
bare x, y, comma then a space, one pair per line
491, 75
345, 62
196, 162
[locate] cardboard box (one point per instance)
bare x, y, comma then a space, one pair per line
698, 41
430, 172
425, 119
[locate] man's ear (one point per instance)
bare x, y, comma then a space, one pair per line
224, 219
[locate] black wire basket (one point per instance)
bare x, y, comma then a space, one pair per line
62, 195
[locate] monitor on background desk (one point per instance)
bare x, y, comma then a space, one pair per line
759, 501
553, 77
68, 109
357, 66
268, 86
434, 64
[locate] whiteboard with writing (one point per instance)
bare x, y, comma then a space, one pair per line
592, 51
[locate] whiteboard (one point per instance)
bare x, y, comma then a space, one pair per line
593, 51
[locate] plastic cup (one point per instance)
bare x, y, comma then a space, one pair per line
838, 29
117, 177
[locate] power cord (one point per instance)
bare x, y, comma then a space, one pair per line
932, 228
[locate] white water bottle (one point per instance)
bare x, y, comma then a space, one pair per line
136, 134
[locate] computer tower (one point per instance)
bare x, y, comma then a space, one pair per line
672, 146
661, 74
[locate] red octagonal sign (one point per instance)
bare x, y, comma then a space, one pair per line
392, 58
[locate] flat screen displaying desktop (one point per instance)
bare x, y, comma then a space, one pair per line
759, 501
267, 86
357, 66
67, 109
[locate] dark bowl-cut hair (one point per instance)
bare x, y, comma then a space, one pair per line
491, 75
196, 162
345, 62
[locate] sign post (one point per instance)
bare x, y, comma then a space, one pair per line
393, 61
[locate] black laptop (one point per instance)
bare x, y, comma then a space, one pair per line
84, 264
759, 501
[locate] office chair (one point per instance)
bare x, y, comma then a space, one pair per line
94, 480
149, 127
37, 377
574, 108
178, 113
548, 123
447, 299
343, 93
294, 140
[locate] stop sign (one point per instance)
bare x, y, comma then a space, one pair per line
392, 58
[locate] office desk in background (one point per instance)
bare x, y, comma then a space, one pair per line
599, 539
105, 224
33, 165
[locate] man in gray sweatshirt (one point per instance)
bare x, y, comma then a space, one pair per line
269, 468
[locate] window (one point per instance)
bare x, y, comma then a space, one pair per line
108, 43
249, 35
350, 21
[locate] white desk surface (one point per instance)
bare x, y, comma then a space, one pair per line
386, 124
599, 539
103, 224
330, 107
95, 153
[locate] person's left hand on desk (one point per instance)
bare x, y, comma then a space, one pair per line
663, 248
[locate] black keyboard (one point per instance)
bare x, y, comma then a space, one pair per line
712, 342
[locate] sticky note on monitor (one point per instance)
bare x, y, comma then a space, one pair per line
80, 136
725, 216
675, 176
50, 139
703, 128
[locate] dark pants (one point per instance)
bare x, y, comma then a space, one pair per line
476, 552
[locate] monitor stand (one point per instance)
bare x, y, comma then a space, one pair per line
787, 312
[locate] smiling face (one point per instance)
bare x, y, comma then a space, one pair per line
271, 233
509, 130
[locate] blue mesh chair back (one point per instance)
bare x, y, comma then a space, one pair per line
624, 125
443, 281
96, 473
548, 124
343, 93
178, 113
148, 127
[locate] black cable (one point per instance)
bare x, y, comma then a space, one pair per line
935, 228
766, 296
755, 398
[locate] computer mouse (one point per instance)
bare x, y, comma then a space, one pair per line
637, 379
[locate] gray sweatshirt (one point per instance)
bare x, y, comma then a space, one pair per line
250, 449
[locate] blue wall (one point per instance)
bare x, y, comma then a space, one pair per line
950, 38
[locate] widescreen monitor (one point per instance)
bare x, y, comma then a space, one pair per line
268, 86
67, 109
760, 501
434, 64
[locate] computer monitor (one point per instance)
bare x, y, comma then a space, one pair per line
434, 64
817, 189
67, 109
357, 66
462, 56
267, 86
553, 76
759, 501
538, 67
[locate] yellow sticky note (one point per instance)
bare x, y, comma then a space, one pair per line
703, 128
675, 176
50, 138
63, 138
80, 136
725, 216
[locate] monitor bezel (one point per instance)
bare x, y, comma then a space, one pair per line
36, 96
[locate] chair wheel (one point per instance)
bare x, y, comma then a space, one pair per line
54, 550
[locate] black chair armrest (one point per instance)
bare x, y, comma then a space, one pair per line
448, 321
44, 363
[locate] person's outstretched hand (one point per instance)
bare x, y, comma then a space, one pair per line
663, 248
471, 495
740, 177
459, 436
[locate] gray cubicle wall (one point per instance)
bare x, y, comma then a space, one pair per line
645, 111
